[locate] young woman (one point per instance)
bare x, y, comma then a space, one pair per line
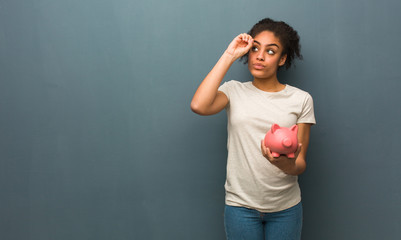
263, 199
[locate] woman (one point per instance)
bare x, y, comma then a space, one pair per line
263, 199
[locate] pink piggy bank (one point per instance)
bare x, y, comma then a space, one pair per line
282, 140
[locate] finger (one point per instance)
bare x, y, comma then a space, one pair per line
246, 37
248, 40
249, 37
269, 154
243, 37
239, 38
266, 151
250, 44
263, 148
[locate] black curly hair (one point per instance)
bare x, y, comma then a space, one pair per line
289, 38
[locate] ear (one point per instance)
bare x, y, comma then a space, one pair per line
275, 127
282, 60
294, 128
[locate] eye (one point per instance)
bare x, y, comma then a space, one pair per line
254, 49
270, 52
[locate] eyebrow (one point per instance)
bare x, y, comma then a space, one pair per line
267, 45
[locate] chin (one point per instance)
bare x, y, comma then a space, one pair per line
258, 74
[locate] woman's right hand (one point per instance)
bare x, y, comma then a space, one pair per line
240, 45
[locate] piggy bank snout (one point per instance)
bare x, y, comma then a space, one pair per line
287, 142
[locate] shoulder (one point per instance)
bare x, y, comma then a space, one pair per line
299, 96
298, 92
233, 85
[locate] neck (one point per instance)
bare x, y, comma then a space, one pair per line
268, 85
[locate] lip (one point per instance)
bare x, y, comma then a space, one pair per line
258, 66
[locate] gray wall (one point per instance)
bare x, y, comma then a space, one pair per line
97, 140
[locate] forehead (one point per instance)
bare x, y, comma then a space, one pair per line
266, 38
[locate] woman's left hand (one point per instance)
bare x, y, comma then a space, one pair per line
282, 162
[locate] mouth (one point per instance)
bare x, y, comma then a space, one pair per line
258, 66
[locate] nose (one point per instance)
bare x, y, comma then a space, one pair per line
260, 56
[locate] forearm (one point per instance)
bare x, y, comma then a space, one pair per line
293, 168
207, 91
298, 166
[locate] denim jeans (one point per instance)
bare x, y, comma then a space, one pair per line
249, 224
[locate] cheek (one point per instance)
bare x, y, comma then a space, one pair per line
275, 60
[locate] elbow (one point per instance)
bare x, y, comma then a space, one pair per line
299, 170
198, 109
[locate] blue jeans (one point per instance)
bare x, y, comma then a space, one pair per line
249, 224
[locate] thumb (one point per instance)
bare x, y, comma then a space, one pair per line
249, 45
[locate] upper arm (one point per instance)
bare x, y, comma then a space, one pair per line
303, 137
219, 103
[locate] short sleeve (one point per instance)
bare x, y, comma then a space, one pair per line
225, 88
308, 114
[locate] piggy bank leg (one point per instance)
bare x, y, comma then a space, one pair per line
274, 154
291, 155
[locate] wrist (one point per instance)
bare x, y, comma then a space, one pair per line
229, 56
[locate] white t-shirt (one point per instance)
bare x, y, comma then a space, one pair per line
252, 181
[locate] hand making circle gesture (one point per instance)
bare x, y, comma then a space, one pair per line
240, 45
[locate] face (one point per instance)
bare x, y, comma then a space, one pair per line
265, 55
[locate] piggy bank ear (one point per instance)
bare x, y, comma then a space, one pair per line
294, 128
275, 127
